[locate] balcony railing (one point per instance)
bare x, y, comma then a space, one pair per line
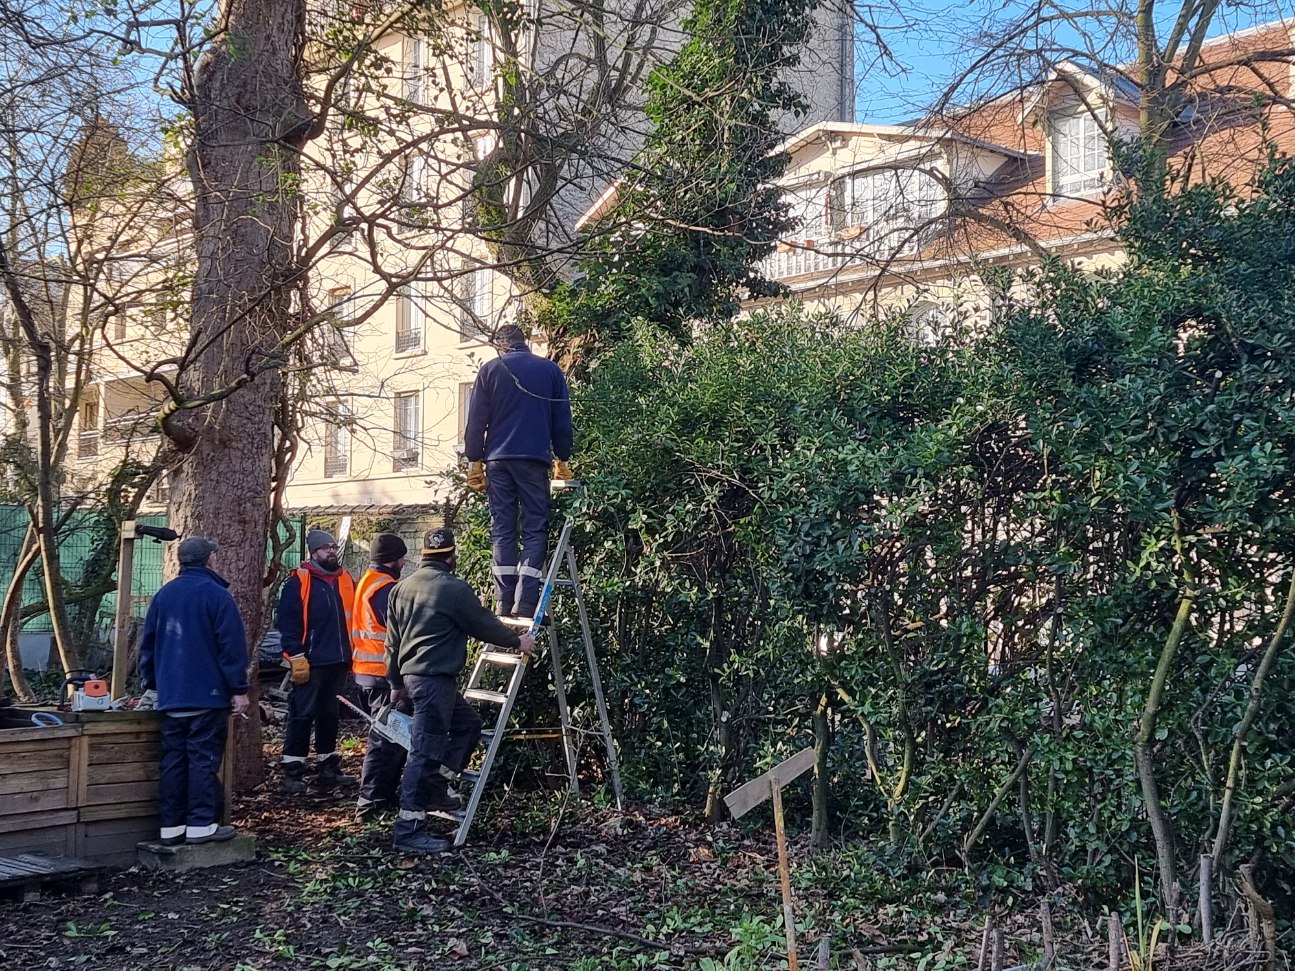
133, 426
334, 465
408, 340
87, 445
799, 260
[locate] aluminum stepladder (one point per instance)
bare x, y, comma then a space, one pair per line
561, 574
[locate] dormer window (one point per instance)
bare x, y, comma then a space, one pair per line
1079, 154
883, 200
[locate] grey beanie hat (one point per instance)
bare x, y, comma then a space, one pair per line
317, 539
196, 550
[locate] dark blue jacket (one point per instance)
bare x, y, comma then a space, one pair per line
329, 639
194, 650
519, 409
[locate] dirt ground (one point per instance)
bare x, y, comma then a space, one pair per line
545, 883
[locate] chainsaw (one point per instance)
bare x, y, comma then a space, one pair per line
394, 726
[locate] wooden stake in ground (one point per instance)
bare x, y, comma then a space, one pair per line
769, 786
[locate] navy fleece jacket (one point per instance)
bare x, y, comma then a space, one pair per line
194, 650
520, 409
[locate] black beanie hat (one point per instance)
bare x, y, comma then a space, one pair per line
387, 548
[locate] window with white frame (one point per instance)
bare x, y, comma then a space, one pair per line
465, 399
413, 174
410, 316
929, 322
885, 199
476, 316
481, 65
415, 69
406, 437
1079, 154
806, 208
337, 441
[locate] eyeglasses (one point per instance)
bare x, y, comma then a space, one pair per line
326, 549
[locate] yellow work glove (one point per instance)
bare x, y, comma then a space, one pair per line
477, 476
300, 668
562, 472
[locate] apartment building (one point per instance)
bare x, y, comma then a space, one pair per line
910, 217
414, 289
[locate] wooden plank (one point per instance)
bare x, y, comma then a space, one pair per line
37, 734
121, 810
101, 845
128, 824
30, 802
47, 839
121, 738
39, 781
113, 723
119, 792
131, 752
746, 797
22, 822
9, 750
43, 759
122, 772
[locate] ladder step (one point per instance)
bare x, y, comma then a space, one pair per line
564, 583
481, 694
518, 621
501, 658
454, 815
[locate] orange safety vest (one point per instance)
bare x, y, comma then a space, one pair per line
368, 637
345, 589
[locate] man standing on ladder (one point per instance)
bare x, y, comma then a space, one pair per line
383, 759
519, 423
430, 617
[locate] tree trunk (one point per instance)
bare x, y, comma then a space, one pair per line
250, 120
10, 622
1144, 742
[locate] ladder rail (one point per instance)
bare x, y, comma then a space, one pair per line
613, 762
563, 556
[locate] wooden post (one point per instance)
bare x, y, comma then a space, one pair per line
825, 953
1049, 944
121, 623
1113, 934
784, 872
1000, 951
769, 786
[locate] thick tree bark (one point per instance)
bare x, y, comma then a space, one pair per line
250, 120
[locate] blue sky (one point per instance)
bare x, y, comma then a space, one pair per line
932, 40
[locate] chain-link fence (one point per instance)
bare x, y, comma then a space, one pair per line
88, 547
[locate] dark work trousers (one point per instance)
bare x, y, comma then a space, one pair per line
314, 704
446, 730
383, 759
518, 490
189, 789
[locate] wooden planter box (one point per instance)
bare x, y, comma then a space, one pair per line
87, 789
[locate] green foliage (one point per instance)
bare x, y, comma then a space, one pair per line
997, 530
700, 207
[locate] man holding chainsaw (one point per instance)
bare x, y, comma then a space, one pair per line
383, 759
430, 616
315, 624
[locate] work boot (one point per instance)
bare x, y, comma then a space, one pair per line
445, 799
368, 811
328, 774
412, 839
294, 778
222, 834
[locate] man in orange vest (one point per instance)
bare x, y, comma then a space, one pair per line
384, 759
315, 624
